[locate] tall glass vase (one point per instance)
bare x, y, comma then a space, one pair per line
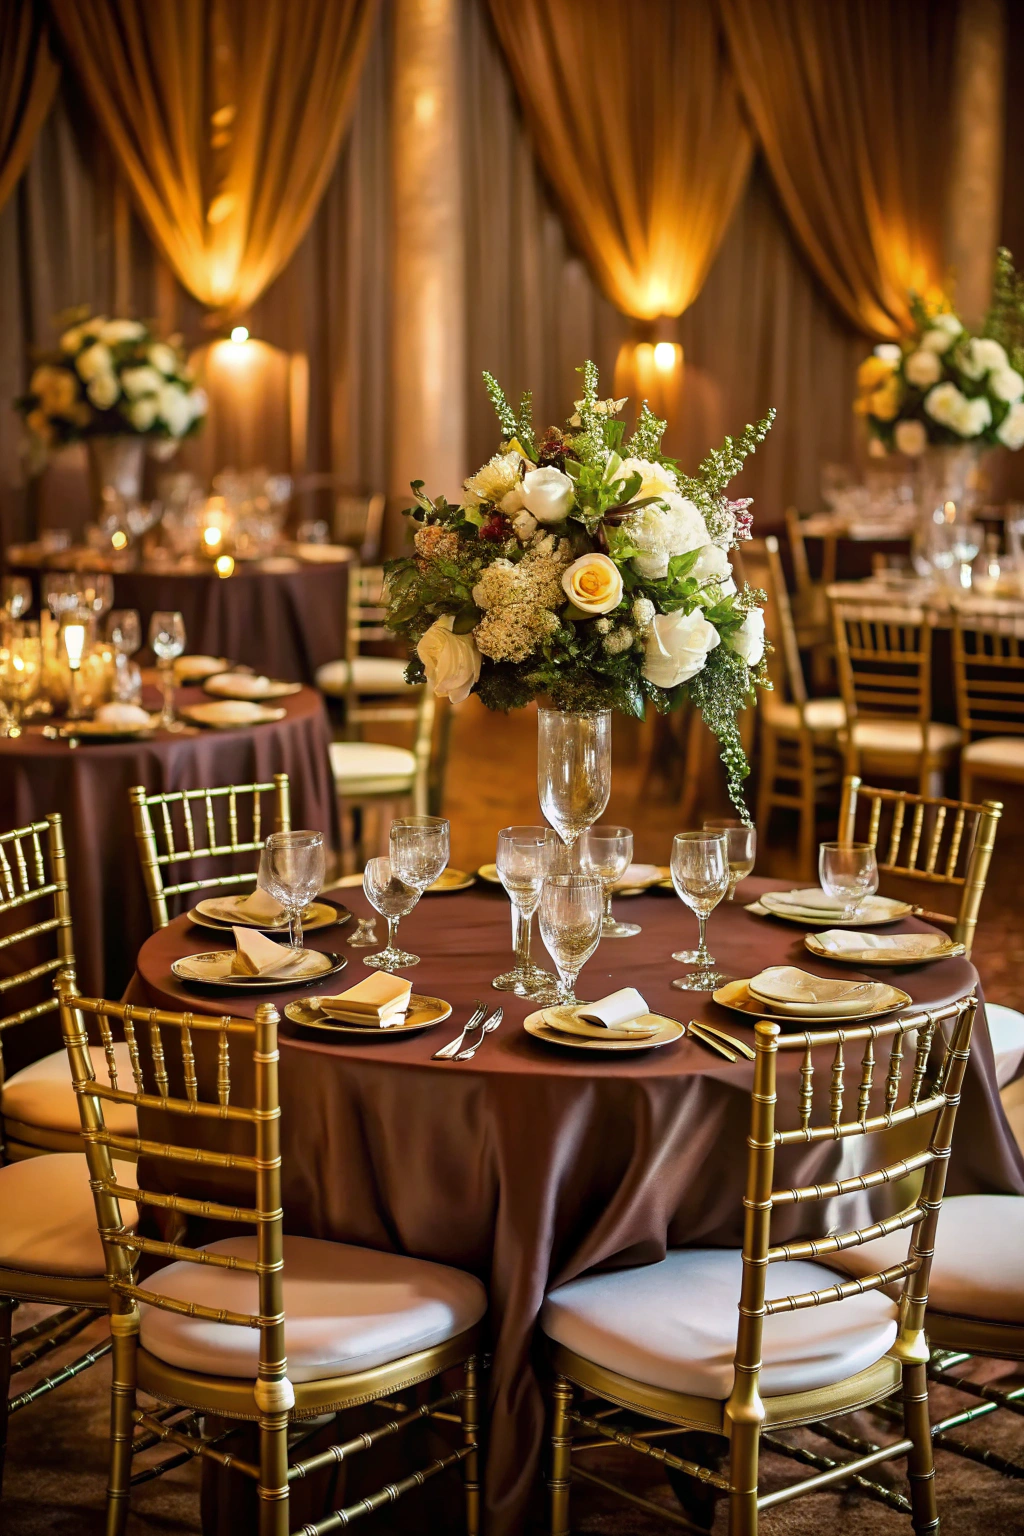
947, 474
116, 464
574, 769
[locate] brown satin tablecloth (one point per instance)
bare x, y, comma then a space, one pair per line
532, 1164
89, 785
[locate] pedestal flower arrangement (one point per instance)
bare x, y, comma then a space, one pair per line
584, 568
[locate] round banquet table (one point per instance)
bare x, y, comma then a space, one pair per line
533, 1164
88, 784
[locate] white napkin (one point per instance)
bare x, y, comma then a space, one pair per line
785, 984
842, 941
812, 899
256, 955
380, 1000
243, 683
615, 1010
122, 714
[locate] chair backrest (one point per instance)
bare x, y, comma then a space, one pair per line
181, 1065
33, 869
923, 1092
932, 846
796, 535
359, 522
367, 611
181, 837
884, 657
988, 667
762, 567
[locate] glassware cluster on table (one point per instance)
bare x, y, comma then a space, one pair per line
419, 848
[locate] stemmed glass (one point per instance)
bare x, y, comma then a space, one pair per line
700, 874
61, 593
15, 596
96, 593
574, 769
21, 664
292, 870
167, 640
742, 848
967, 540
124, 630
849, 872
393, 898
571, 908
525, 855
608, 852
419, 852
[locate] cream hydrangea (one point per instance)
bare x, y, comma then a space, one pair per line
494, 480
655, 479
670, 527
1010, 430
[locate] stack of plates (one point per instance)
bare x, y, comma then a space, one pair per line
563, 1026
230, 714
214, 969
221, 914
247, 685
814, 907
422, 1013
786, 992
882, 949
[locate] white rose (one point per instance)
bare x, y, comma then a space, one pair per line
163, 358
175, 410
938, 339
978, 416
140, 381
922, 368
197, 403
1006, 384
943, 403
889, 352
677, 646
1010, 430
655, 479
748, 640
121, 330
93, 361
103, 391
547, 493
948, 323
142, 413
593, 583
451, 662
988, 353
712, 564
911, 438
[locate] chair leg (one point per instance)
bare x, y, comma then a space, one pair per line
808, 823
766, 782
743, 1456
920, 1457
6, 1318
471, 1436
124, 1332
561, 1456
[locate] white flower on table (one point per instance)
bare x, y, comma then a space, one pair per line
140, 381
174, 409
142, 412
911, 438
593, 583
1006, 384
1010, 430
655, 479
547, 494
677, 646
712, 564
115, 331
163, 358
748, 640
950, 407
103, 390
922, 368
670, 526
95, 360
889, 351
944, 331
981, 355
451, 662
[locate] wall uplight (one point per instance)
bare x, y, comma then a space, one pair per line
239, 334
664, 356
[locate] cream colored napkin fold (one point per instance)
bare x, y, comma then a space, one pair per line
811, 899
256, 955
243, 683
841, 941
259, 907
614, 1011
119, 714
380, 1000
789, 984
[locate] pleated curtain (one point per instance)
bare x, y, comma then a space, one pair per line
28, 80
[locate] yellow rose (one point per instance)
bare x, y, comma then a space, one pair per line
593, 583
885, 401
873, 371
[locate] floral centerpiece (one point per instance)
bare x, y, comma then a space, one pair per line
585, 568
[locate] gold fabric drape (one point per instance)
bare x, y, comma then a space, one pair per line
850, 101
636, 119
226, 117
28, 79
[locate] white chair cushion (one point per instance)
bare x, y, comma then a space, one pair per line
819, 714
904, 736
370, 674
44, 1095
673, 1325
49, 1219
346, 1310
979, 1258
996, 751
359, 761
1006, 1031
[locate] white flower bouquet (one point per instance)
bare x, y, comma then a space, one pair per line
586, 569
111, 378
943, 386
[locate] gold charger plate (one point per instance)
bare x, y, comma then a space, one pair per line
736, 996
319, 914
203, 714
274, 690
423, 1013
670, 1030
884, 908
102, 730
212, 960
876, 957
451, 880
655, 877
195, 669
489, 872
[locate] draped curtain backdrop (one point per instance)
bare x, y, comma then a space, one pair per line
28, 80
226, 117
851, 104
635, 116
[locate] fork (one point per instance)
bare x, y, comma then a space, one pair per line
490, 1025
454, 1046
695, 1032
729, 1040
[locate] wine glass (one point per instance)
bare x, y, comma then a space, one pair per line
571, 908
124, 630
167, 641
292, 870
15, 596
742, 848
967, 540
525, 855
419, 852
61, 593
393, 898
849, 872
608, 852
96, 593
574, 769
21, 666
700, 874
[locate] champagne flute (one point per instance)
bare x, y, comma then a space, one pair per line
574, 769
525, 855
419, 852
167, 640
293, 866
571, 908
700, 874
608, 852
742, 848
393, 898
848, 872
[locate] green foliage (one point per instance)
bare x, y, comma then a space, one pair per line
647, 435
1005, 319
722, 465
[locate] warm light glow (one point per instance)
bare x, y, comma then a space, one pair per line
239, 334
119, 540
224, 565
212, 537
664, 356
74, 644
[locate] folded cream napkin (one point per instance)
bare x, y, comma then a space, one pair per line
122, 715
614, 1011
256, 955
789, 984
841, 941
259, 907
243, 683
380, 1000
812, 899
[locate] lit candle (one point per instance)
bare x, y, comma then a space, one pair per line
224, 565
74, 644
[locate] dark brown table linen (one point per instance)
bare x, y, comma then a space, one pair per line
89, 786
531, 1164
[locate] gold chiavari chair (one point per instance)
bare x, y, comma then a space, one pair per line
180, 841
884, 656
810, 605
379, 680
988, 667
374, 774
663, 1341
208, 1332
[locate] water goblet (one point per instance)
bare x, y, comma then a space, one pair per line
742, 848
571, 908
574, 769
525, 855
167, 641
608, 852
15, 596
700, 875
393, 898
96, 593
292, 870
124, 630
849, 872
61, 593
419, 849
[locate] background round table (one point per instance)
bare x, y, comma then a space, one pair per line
89, 785
533, 1164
